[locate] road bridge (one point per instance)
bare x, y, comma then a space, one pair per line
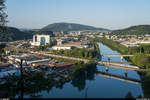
109, 55
122, 78
117, 55
64, 57
122, 66
118, 62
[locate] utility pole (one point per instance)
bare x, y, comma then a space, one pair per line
21, 80
86, 88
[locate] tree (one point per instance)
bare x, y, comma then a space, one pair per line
3, 15
129, 95
141, 59
2, 46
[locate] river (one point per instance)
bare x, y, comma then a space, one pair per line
99, 87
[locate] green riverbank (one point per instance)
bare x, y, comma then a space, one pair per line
140, 59
141, 56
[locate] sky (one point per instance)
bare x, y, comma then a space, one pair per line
110, 14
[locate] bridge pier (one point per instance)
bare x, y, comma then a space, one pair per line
107, 69
109, 59
121, 59
125, 72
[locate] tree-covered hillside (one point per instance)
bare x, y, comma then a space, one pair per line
12, 34
39, 32
58, 27
134, 30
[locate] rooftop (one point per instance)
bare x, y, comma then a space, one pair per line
76, 44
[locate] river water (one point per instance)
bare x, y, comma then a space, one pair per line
100, 87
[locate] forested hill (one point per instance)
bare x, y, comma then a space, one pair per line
38, 31
13, 34
58, 27
134, 30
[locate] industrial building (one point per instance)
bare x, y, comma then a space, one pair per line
72, 45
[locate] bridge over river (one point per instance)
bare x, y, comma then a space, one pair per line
122, 66
115, 65
122, 78
112, 55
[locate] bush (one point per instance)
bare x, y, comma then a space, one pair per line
142, 60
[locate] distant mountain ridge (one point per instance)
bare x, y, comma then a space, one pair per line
133, 30
58, 27
12, 34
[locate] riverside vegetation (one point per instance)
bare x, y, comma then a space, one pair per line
2, 46
90, 53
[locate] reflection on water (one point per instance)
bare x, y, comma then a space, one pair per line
99, 87
90, 85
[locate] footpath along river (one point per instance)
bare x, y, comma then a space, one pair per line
99, 87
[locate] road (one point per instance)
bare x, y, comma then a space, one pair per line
65, 57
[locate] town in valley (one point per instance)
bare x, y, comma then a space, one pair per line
66, 59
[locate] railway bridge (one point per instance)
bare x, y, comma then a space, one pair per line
113, 55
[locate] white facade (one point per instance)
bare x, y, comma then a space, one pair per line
62, 47
40, 40
60, 42
36, 61
144, 42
